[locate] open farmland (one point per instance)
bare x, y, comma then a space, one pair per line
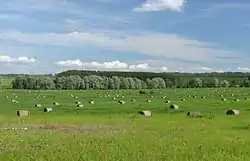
108, 130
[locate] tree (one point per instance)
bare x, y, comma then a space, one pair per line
224, 83
195, 83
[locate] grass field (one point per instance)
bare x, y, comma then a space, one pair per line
107, 130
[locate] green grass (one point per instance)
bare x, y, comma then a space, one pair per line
167, 135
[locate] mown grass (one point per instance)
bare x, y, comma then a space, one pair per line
167, 135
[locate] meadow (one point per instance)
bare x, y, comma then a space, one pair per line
107, 130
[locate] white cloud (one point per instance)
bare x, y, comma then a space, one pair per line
161, 5
206, 69
243, 69
110, 66
17, 60
152, 44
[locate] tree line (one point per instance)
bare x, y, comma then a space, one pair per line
88, 82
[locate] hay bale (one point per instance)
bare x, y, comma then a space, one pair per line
38, 105
91, 102
247, 99
194, 114
114, 98
183, 99
133, 100
14, 101
48, 110
23, 113
173, 106
145, 113
236, 100
223, 99
80, 105
121, 102
149, 101
203, 97
77, 102
56, 103
168, 101
232, 112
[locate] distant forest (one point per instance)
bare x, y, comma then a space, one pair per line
82, 79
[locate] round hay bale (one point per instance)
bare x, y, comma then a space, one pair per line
149, 101
78, 102
221, 95
80, 105
183, 99
56, 103
121, 102
48, 110
91, 102
23, 113
133, 100
173, 106
114, 98
168, 101
232, 112
236, 100
247, 99
203, 97
223, 99
38, 105
14, 101
163, 97
76, 97
194, 114
145, 113
6, 96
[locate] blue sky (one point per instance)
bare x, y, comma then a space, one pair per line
128, 35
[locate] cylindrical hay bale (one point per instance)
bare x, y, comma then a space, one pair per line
80, 105
23, 113
175, 107
121, 102
56, 103
236, 100
91, 102
232, 112
133, 100
183, 99
145, 113
194, 114
48, 110
223, 99
168, 101
38, 105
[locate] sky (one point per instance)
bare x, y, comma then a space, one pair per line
50, 36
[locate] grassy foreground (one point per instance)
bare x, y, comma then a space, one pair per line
111, 131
